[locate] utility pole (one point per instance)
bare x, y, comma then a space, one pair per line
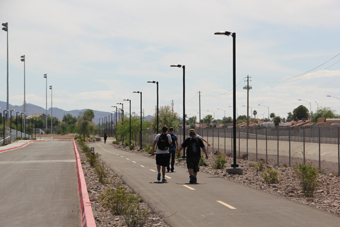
199, 107
247, 88
172, 106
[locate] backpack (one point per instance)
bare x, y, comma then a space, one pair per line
163, 143
173, 139
194, 146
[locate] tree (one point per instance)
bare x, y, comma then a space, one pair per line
323, 113
69, 119
192, 122
85, 125
277, 120
166, 117
300, 112
290, 116
208, 119
255, 113
241, 118
272, 115
226, 120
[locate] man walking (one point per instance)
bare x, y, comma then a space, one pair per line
172, 149
163, 141
194, 145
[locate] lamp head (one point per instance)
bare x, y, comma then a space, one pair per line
223, 33
299, 100
178, 65
45, 75
151, 82
5, 28
136, 92
51, 87
126, 100
22, 58
328, 96
259, 105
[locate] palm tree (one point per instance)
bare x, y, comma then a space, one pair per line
255, 113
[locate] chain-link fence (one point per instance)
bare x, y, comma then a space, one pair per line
318, 145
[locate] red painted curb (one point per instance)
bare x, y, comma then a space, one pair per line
87, 218
8, 149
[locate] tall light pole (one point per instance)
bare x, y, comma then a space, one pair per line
183, 67
129, 100
141, 118
51, 111
45, 76
116, 120
267, 107
122, 116
332, 96
234, 166
16, 124
156, 82
22, 58
310, 109
5, 28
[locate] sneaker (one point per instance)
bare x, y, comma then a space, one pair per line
195, 180
172, 170
164, 180
192, 179
158, 176
168, 170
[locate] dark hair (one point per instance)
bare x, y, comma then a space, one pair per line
171, 129
192, 133
164, 129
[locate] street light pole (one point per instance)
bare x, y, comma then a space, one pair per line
156, 82
5, 28
116, 120
23, 59
234, 166
16, 124
130, 116
51, 111
122, 115
45, 76
183, 67
267, 107
141, 117
310, 110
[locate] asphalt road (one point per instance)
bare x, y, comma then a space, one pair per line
212, 202
38, 186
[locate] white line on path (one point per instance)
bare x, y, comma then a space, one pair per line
189, 187
167, 177
152, 170
134, 162
127, 159
227, 205
142, 166
122, 156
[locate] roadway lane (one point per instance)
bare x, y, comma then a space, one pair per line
39, 186
212, 202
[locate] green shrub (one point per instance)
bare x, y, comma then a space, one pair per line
259, 167
307, 175
92, 158
101, 172
120, 201
202, 162
132, 146
220, 161
271, 176
115, 142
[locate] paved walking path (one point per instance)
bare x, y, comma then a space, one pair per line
212, 202
39, 185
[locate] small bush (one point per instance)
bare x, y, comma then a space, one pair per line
115, 142
307, 175
120, 201
202, 162
101, 172
244, 156
219, 162
259, 167
132, 147
271, 176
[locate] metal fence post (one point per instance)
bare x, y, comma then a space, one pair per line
278, 146
218, 139
319, 148
239, 142
247, 138
212, 138
289, 148
304, 150
338, 151
256, 141
266, 145
225, 150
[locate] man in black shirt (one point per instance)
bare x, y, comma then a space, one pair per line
194, 145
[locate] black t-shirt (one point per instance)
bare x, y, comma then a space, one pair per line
194, 144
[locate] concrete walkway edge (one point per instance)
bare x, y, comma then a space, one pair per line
11, 148
87, 218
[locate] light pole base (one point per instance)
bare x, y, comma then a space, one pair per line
234, 170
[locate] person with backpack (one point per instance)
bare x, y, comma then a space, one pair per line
194, 146
163, 141
105, 137
172, 149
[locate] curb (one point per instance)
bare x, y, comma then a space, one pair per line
87, 218
8, 149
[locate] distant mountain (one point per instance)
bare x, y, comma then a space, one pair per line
59, 113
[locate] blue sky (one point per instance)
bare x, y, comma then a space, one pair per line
96, 53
